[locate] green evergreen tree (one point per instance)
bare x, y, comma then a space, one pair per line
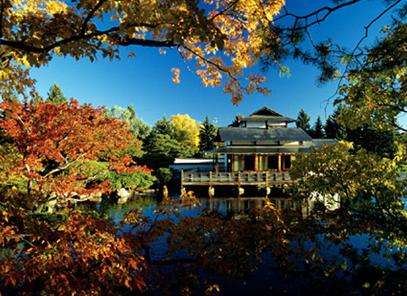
164, 126
317, 131
207, 135
303, 121
332, 128
55, 95
164, 144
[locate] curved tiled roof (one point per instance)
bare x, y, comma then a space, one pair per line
261, 149
260, 134
269, 119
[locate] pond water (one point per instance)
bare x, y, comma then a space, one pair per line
262, 281
266, 279
227, 206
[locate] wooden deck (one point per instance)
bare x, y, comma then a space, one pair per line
262, 179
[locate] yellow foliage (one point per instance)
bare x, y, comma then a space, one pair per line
222, 40
187, 129
54, 7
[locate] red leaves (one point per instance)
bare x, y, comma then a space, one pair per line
83, 256
51, 137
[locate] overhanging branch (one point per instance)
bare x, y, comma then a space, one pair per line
327, 9
21, 45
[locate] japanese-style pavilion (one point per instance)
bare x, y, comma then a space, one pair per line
256, 150
261, 142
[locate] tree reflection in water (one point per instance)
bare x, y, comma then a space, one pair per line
251, 245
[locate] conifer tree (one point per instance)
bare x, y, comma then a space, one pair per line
207, 135
317, 131
303, 121
55, 95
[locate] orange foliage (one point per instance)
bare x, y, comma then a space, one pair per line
81, 256
51, 138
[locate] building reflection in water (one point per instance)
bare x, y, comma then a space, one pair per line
230, 206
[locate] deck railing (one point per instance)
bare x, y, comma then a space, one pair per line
232, 178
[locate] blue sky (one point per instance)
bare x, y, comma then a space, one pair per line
145, 80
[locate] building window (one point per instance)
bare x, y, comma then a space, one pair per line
286, 161
249, 162
273, 162
237, 163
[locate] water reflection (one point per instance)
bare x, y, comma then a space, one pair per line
227, 206
235, 205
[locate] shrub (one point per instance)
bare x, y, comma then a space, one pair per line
164, 175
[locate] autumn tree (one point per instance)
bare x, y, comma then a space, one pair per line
221, 40
376, 94
367, 179
207, 135
303, 121
57, 146
186, 131
77, 255
56, 151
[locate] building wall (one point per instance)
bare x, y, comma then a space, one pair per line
256, 124
192, 167
259, 162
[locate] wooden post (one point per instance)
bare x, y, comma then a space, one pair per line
240, 191
211, 191
182, 182
279, 162
267, 179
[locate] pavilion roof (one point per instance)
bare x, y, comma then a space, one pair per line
260, 134
269, 119
266, 112
261, 149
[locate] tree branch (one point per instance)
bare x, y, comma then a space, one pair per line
91, 15
217, 66
329, 10
226, 9
146, 42
20, 45
366, 34
67, 165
